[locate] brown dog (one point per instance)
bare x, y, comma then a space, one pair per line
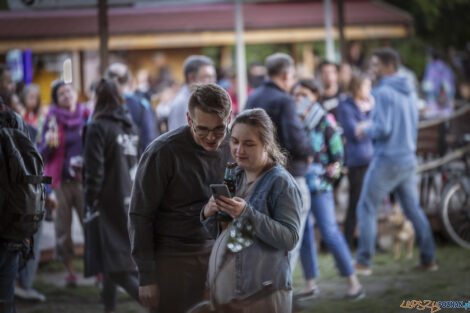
402, 232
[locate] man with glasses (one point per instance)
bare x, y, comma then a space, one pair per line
169, 245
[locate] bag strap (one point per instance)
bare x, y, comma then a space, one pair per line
36, 179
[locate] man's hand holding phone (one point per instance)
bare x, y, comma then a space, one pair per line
210, 208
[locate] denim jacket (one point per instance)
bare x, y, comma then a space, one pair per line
273, 207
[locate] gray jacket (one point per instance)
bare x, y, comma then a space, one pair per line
273, 207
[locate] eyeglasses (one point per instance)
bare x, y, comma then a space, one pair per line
201, 131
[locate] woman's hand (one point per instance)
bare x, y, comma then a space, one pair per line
210, 208
361, 128
233, 206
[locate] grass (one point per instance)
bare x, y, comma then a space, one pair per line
395, 281
391, 283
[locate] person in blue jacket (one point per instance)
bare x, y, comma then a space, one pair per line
393, 167
273, 96
351, 111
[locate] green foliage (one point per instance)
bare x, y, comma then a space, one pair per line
258, 53
439, 22
412, 51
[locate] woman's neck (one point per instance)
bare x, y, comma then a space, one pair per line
331, 90
252, 175
358, 99
73, 107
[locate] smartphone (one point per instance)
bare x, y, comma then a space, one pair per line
219, 190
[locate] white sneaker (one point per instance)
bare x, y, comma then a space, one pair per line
29, 294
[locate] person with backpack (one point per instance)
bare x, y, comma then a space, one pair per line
110, 158
326, 141
22, 193
62, 149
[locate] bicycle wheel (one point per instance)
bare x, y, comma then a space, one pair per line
455, 213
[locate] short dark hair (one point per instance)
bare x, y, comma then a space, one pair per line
108, 97
324, 63
278, 63
388, 56
4, 94
210, 98
193, 63
309, 84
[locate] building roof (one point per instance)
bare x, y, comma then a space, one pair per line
191, 18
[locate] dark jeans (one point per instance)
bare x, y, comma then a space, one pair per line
127, 280
8, 270
181, 280
356, 178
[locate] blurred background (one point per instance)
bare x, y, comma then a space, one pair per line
76, 40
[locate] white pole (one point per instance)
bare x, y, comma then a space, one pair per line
330, 48
241, 57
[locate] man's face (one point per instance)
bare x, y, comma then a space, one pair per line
289, 79
208, 129
7, 86
376, 67
329, 75
206, 75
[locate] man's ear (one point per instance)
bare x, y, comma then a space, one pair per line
189, 119
229, 118
191, 78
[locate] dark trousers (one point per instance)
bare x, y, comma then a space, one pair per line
127, 280
8, 270
181, 280
356, 178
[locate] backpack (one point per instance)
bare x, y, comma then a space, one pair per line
22, 193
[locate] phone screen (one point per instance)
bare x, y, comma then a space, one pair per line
219, 190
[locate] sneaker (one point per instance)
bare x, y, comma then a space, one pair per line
71, 280
362, 269
429, 267
357, 296
29, 294
307, 295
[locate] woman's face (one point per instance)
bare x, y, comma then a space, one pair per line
31, 100
302, 92
365, 89
66, 97
247, 149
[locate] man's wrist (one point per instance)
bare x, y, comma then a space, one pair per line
147, 278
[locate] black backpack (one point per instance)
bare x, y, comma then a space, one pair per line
22, 193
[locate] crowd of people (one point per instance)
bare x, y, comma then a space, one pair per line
152, 225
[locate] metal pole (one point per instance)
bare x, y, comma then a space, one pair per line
330, 48
241, 57
103, 31
342, 39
